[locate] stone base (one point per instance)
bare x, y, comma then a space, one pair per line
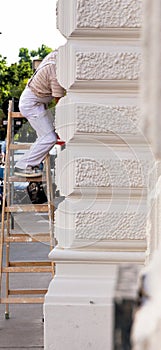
78, 307
77, 327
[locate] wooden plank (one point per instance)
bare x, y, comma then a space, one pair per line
26, 291
17, 146
27, 269
29, 263
41, 208
29, 238
25, 179
16, 115
21, 300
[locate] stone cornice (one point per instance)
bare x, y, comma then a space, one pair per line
106, 86
124, 245
95, 257
108, 33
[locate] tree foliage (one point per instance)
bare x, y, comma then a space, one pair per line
41, 51
15, 75
25, 56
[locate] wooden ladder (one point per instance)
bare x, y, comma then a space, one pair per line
8, 234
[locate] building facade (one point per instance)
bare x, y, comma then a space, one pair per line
103, 172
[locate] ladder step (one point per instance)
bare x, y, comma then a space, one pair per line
25, 179
26, 291
41, 208
22, 300
17, 146
28, 269
16, 115
29, 263
22, 238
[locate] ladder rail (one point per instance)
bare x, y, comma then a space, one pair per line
50, 208
5, 198
4, 191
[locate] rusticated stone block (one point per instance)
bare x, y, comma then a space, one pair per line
106, 119
107, 66
103, 13
114, 173
100, 225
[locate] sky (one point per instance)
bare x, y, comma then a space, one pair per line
27, 24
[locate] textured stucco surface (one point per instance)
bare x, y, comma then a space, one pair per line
117, 173
111, 13
110, 225
104, 119
107, 65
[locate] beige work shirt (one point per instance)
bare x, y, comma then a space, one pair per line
44, 82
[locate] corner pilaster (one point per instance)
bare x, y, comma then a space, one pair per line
103, 173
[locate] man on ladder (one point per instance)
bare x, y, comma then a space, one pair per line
41, 89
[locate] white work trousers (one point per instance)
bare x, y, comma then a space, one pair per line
33, 109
